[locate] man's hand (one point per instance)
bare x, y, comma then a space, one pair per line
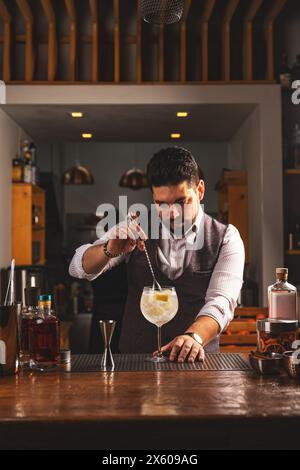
184, 346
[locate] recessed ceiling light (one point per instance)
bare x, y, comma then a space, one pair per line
175, 135
182, 114
87, 135
76, 114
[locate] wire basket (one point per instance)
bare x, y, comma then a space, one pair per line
162, 11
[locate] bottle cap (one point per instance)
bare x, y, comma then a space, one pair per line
284, 271
65, 356
45, 298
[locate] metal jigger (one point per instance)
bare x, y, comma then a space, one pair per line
107, 329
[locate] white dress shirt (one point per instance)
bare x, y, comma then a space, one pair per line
226, 280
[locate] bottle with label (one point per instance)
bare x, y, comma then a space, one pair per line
27, 173
282, 298
44, 338
28, 315
17, 170
34, 167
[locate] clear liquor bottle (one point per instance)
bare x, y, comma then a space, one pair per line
282, 297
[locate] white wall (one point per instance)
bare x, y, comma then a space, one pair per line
254, 148
10, 135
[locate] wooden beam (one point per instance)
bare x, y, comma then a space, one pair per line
116, 41
52, 38
95, 38
230, 10
207, 12
5, 15
277, 6
247, 41
161, 55
138, 42
28, 18
73, 38
187, 5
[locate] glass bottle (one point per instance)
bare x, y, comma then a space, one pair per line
34, 167
28, 314
44, 336
17, 170
282, 297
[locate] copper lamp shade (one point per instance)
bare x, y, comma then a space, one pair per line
134, 179
78, 175
162, 11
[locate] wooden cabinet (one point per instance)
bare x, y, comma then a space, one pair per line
233, 202
28, 224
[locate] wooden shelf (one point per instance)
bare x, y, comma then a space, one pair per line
293, 252
292, 171
30, 247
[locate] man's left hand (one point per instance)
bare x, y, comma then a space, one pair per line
184, 346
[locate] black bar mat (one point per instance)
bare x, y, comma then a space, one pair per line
140, 362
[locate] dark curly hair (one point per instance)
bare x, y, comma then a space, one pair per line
171, 166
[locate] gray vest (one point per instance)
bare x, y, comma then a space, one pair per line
140, 336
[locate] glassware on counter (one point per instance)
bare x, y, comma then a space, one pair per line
159, 307
276, 335
44, 336
282, 297
28, 314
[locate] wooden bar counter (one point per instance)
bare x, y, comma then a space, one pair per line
149, 410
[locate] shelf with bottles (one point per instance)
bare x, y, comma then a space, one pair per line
24, 165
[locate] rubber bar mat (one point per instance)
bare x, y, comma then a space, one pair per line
140, 362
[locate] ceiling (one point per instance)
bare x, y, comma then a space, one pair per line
125, 123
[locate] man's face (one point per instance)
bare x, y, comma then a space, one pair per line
178, 203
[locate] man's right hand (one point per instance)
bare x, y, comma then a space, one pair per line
124, 238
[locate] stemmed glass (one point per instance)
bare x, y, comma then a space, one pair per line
159, 306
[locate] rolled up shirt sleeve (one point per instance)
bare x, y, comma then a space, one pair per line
226, 280
76, 267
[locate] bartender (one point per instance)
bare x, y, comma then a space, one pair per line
208, 280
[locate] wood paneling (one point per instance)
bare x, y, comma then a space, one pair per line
6, 17
207, 12
230, 10
52, 39
277, 6
183, 29
208, 33
73, 39
95, 39
116, 41
28, 18
248, 41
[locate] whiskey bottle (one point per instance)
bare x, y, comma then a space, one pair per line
44, 336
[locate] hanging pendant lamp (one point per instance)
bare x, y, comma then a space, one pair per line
134, 178
78, 174
162, 11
